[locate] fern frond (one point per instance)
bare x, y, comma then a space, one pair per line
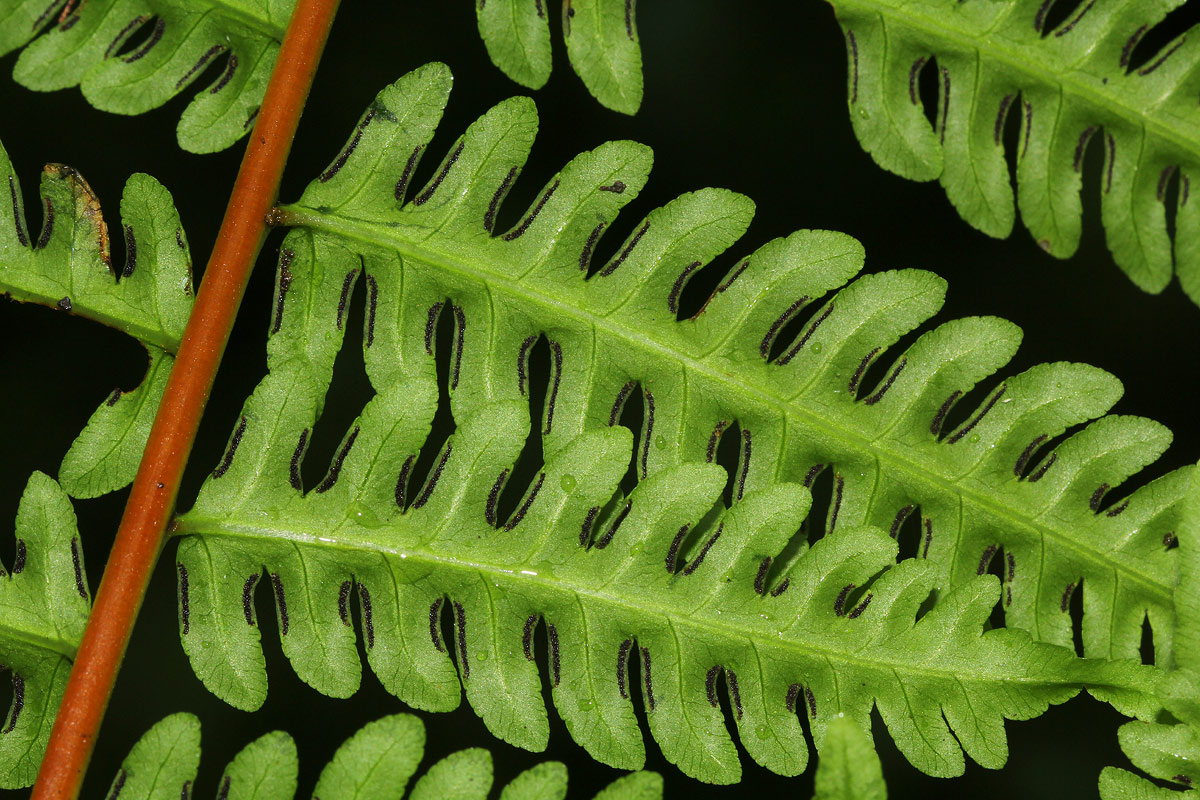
69, 266
1165, 752
1170, 752
377, 762
91, 45
601, 37
849, 768
1068, 87
44, 605
997, 486
666, 580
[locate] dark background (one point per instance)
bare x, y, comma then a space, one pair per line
743, 95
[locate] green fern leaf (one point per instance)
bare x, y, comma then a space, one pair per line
1069, 87
1170, 752
602, 43
667, 577
163, 763
1120, 784
44, 606
1187, 592
1166, 752
997, 481
849, 769
86, 47
69, 267
376, 763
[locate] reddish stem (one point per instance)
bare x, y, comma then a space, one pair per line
152, 499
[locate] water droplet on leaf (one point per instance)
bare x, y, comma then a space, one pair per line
816, 348
660, 442
364, 516
762, 732
568, 483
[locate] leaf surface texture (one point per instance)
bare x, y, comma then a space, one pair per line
1069, 88
376, 763
1170, 753
849, 768
665, 584
601, 38
44, 603
132, 56
69, 266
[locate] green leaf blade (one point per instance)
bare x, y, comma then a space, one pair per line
1119, 784
69, 266
162, 764
44, 605
669, 578
849, 768
517, 37
105, 455
601, 38
638, 786
465, 775
1070, 88
87, 48
547, 781
265, 769
376, 762
602, 43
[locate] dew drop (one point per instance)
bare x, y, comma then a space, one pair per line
862, 112
660, 442
568, 482
481, 655
816, 347
727, 577
974, 438
364, 516
586, 705
762, 732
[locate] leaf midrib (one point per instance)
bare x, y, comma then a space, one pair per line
1029, 61
39, 641
208, 526
83, 308
369, 233
259, 24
